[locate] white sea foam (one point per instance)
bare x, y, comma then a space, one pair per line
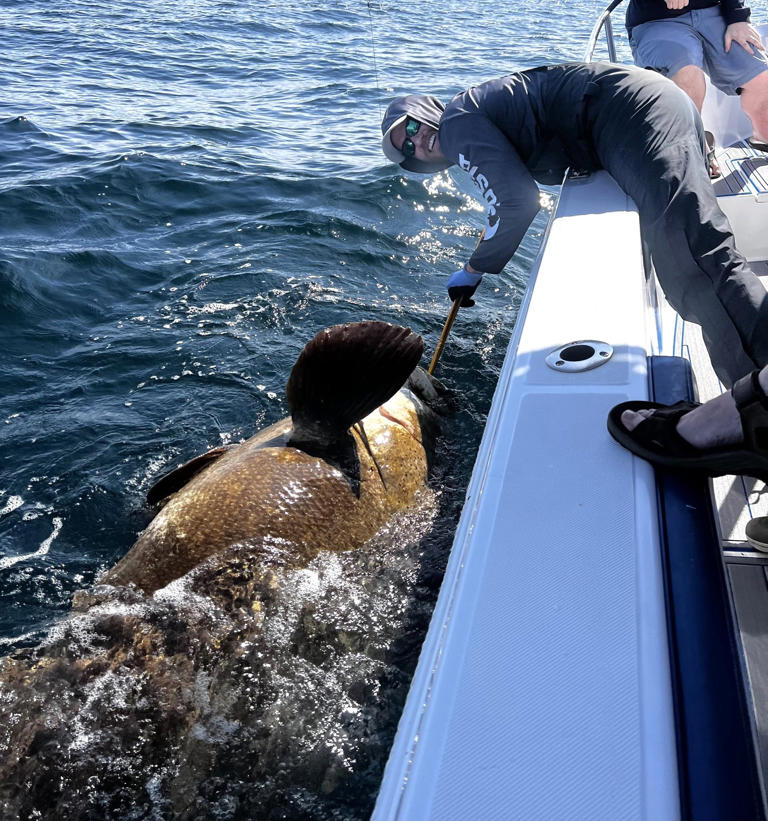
12, 504
45, 546
5, 642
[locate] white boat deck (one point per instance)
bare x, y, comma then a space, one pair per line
546, 659
547, 655
544, 690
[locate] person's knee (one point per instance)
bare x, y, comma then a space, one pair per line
692, 81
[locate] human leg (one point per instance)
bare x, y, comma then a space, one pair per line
667, 46
727, 435
714, 424
692, 81
675, 49
754, 101
736, 71
648, 136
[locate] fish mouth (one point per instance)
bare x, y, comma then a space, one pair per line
432, 141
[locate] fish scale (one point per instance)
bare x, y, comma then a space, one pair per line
260, 496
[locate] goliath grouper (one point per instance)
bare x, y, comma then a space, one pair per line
351, 455
144, 698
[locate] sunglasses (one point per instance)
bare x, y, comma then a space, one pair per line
411, 129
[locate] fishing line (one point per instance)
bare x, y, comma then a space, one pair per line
375, 67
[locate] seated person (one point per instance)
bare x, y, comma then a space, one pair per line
684, 38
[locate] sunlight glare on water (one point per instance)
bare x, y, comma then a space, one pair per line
188, 193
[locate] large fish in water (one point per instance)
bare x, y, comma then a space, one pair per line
351, 454
144, 698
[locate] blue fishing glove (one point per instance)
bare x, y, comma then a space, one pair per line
463, 284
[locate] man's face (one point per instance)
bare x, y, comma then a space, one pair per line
415, 139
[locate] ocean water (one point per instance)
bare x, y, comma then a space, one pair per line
190, 191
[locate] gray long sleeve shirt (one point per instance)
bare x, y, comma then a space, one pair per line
510, 132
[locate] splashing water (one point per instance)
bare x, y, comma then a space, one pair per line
237, 691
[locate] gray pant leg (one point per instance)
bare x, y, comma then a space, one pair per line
649, 137
704, 277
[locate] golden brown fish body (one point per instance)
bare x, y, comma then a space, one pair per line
158, 683
282, 499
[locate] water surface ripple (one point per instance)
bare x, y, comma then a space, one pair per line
188, 192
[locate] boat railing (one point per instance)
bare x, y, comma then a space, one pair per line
603, 23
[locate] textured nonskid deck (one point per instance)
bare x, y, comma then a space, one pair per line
742, 193
745, 171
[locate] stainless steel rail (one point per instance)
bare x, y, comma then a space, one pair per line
603, 21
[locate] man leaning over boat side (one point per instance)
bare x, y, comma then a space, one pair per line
530, 126
684, 38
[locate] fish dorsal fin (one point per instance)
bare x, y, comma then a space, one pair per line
345, 373
180, 476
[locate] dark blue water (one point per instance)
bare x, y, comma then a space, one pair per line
189, 191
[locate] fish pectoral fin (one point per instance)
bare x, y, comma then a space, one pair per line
176, 479
347, 371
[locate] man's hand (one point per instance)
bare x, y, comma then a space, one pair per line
463, 284
676, 4
745, 35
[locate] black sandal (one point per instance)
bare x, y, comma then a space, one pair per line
712, 165
757, 143
657, 440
